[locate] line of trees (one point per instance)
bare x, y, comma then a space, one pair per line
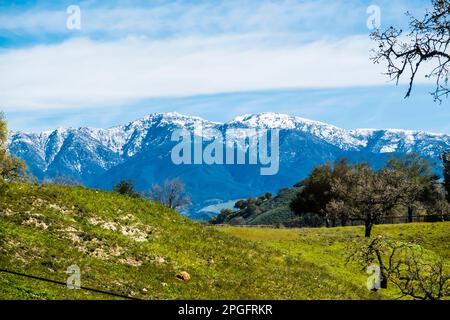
344, 192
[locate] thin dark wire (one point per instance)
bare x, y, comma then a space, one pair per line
65, 284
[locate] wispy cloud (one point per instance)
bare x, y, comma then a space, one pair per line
83, 72
187, 17
157, 19
130, 51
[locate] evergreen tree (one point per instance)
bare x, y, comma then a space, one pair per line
126, 187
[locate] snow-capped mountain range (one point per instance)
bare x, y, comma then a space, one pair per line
140, 150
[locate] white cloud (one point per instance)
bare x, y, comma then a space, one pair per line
165, 18
184, 17
184, 48
80, 72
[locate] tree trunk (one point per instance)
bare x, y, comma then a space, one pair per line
383, 277
369, 226
384, 282
410, 214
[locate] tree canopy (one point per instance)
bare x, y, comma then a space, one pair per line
344, 192
11, 167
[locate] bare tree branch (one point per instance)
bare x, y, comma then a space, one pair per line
427, 43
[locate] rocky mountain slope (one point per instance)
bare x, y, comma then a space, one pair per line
140, 151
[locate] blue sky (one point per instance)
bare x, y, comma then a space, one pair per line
215, 59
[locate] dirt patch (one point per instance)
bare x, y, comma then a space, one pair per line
41, 203
137, 231
35, 221
71, 234
159, 260
101, 251
131, 261
6, 212
108, 225
134, 233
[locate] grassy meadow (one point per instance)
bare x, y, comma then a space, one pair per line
328, 247
136, 247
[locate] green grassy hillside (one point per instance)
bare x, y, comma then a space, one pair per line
135, 247
328, 247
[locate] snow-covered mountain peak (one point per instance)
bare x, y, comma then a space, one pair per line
129, 139
140, 151
266, 120
371, 131
269, 120
171, 118
272, 120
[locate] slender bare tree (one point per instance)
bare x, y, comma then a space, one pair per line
172, 194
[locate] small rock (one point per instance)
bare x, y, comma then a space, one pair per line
164, 284
184, 276
144, 290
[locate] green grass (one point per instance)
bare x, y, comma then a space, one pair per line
135, 247
328, 247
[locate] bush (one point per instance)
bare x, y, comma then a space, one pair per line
11, 167
126, 187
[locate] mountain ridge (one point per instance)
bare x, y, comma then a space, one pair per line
140, 150
240, 118
290, 122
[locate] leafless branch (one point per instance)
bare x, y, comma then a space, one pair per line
427, 43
